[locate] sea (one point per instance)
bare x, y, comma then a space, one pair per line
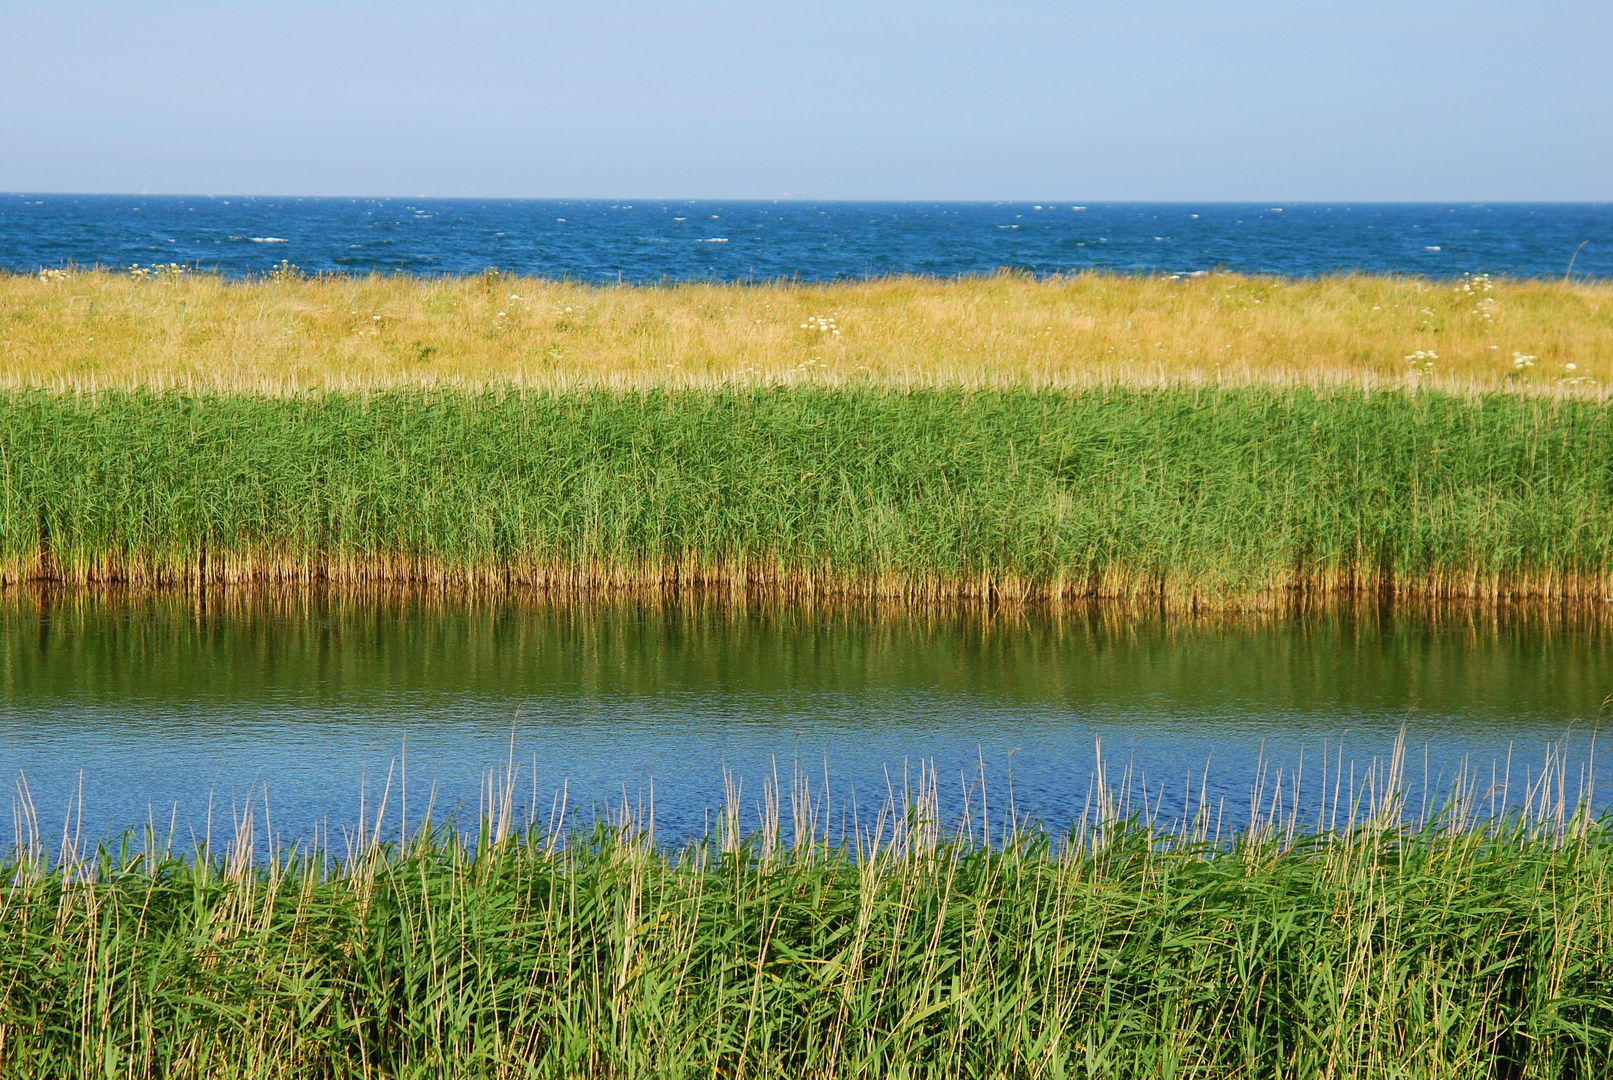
647, 241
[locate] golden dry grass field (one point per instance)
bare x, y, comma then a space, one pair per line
286, 333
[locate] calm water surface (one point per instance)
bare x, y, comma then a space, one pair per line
653, 240
166, 702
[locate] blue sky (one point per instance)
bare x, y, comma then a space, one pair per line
1147, 100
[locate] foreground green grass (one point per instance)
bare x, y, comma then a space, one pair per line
1372, 952
1231, 496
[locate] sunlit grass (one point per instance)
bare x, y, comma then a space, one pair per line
100, 329
1216, 439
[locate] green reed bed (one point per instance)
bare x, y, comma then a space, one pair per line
1195, 495
1372, 951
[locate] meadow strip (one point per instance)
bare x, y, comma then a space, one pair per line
1195, 497
287, 333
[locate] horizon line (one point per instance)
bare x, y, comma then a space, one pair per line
808, 200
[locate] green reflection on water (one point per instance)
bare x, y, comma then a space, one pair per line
240, 648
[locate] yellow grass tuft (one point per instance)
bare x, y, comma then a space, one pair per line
287, 333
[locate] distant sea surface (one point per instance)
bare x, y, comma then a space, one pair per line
653, 240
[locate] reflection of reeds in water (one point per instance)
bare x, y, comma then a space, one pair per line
66, 648
1190, 499
1467, 940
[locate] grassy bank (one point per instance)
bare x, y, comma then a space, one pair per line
1463, 949
1218, 496
287, 333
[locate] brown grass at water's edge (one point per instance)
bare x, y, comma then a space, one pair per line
90, 330
764, 584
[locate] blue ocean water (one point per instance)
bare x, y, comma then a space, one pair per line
655, 240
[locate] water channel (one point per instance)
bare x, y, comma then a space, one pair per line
160, 707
